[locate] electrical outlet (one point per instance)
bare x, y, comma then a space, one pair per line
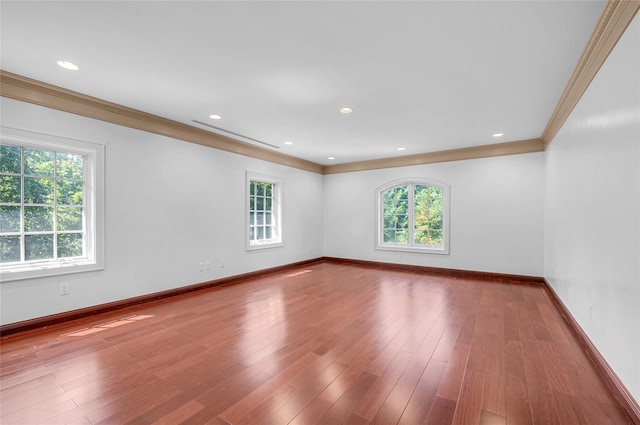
222, 263
64, 289
207, 265
201, 267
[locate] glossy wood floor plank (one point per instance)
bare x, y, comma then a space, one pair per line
322, 344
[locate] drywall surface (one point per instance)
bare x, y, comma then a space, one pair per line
169, 205
592, 205
496, 219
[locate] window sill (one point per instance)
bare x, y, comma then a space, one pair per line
400, 248
34, 271
264, 245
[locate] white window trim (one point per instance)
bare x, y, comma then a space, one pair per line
278, 239
94, 206
379, 223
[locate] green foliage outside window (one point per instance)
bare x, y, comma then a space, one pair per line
41, 204
423, 219
261, 225
427, 215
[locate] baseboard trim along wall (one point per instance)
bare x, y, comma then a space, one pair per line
466, 274
618, 389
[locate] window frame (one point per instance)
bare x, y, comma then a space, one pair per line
93, 205
411, 247
277, 239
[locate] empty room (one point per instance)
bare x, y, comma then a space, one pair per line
320, 212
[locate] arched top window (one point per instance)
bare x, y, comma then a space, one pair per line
413, 215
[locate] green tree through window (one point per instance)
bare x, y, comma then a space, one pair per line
264, 211
41, 204
412, 216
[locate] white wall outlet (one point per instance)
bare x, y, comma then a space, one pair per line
64, 289
207, 265
201, 267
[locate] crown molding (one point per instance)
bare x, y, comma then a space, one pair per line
27, 90
615, 19
485, 151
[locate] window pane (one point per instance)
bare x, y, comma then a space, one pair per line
38, 247
252, 188
267, 204
69, 193
69, 245
9, 219
268, 189
402, 237
267, 233
435, 238
390, 221
38, 190
252, 218
260, 218
69, 218
69, 166
389, 236
38, 219
267, 218
10, 189
38, 163
428, 212
389, 200
259, 188
421, 237
260, 204
260, 234
9, 159
402, 221
252, 202
9, 249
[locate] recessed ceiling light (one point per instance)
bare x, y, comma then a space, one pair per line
402, 149
68, 65
215, 117
331, 157
288, 143
498, 134
346, 110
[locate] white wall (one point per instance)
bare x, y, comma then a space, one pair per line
592, 229
169, 206
496, 215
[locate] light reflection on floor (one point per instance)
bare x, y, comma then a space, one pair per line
264, 316
108, 325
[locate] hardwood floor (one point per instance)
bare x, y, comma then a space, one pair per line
322, 344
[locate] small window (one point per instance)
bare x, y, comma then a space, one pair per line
50, 205
264, 217
413, 216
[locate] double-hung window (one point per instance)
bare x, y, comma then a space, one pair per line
413, 215
264, 211
51, 191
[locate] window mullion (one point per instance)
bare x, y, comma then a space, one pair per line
410, 220
22, 210
55, 205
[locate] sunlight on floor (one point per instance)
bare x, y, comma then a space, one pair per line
108, 325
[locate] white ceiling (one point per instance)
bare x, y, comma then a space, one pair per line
424, 75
